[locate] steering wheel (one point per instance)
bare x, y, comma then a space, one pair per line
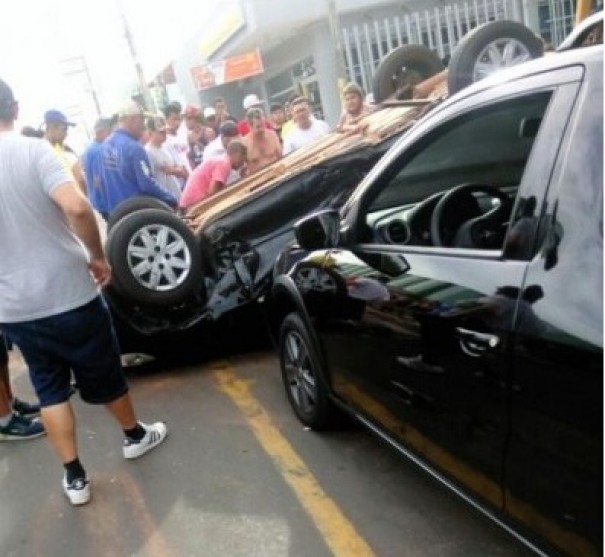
457, 219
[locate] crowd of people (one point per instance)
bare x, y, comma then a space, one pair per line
50, 306
182, 156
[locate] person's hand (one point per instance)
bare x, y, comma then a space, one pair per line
180, 171
101, 271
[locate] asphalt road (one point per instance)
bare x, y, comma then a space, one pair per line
238, 476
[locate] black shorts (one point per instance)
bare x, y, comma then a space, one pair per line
82, 341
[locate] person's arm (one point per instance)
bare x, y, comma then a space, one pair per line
220, 175
146, 183
82, 221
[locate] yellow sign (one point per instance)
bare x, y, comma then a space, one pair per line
229, 22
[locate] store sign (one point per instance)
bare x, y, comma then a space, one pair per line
228, 70
221, 29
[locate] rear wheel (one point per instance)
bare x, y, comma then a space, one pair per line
301, 374
402, 69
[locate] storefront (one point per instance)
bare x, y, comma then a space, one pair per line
296, 49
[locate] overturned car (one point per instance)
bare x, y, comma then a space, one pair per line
175, 273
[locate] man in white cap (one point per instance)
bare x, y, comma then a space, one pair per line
243, 126
126, 170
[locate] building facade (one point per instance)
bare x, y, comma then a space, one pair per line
275, 48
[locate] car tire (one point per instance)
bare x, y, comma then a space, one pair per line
174, 269
301, 374
133, 204
469, 61
405, 66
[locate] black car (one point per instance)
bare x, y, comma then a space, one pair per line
455, 303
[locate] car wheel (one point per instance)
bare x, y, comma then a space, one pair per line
300, 369
155, 258
135, 204
489, 48
402, 69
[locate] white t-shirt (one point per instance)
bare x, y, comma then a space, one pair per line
160, 157
178, 151
214, 149
43, 266
299, 137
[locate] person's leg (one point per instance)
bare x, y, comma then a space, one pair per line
6, 396
60, 424
13, 426
98, 370
123, 411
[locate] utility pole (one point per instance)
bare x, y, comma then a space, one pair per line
334, 23
75, 66
147, 100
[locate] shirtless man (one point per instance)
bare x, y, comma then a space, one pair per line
263, 145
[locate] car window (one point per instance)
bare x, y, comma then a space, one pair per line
489, 148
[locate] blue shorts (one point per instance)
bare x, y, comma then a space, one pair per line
82, 341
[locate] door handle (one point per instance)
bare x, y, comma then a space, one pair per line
474, 343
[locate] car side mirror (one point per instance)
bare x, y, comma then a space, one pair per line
319, 230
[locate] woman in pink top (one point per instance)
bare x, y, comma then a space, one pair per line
211, 176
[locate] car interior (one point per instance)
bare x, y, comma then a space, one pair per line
459, 188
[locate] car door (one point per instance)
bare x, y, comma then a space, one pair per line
418, 338
554, 462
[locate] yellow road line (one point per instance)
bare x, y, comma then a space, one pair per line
338, 533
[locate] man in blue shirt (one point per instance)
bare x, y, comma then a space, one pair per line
126, 171
92, 160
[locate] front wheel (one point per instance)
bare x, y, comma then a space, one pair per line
301, 374
155, 257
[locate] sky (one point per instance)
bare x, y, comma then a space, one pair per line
39, 36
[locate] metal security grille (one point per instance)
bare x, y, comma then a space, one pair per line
441, 28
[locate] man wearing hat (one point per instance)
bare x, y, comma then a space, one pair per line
92, 160
243, 126
56, 124
126, 170
50, 305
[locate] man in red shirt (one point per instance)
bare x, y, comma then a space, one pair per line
211, 176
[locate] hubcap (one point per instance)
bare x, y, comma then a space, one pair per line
315, 279
499, 54
158, 257
299, 373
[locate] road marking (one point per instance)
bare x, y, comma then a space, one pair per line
338, 533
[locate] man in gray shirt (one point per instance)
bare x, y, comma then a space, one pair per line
53, 265
167, 171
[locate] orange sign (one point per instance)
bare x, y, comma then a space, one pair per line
228, 70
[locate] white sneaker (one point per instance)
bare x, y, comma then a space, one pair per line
154, 435
78, 491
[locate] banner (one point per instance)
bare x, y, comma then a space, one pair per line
228, 70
